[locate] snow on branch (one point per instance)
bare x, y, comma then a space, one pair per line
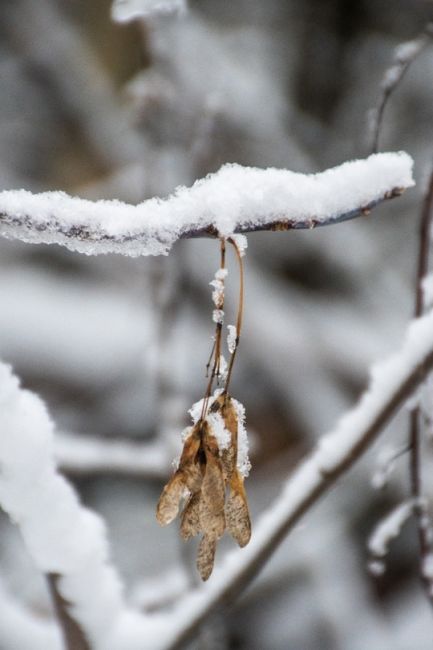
235, 199
392, 383
78, 455
404, 55
63, 537
124, 11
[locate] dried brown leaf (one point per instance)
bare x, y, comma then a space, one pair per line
206, 556
236, 511
190, 524
211, 506
168, 504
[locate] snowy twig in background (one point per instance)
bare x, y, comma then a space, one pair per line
63, 538
385, 464
236, 199
404, 55
393, 381
124, 11
81, 455
415, 415
386, 530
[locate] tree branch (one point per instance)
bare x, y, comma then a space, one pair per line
392, 384
415, 415
404, 55
235, 199
81, 455
72, 634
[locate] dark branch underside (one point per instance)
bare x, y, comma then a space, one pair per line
27, 228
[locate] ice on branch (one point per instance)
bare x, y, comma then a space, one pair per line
231, 338
124, 11
234, 200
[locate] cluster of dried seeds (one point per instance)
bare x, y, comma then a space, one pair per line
209, 483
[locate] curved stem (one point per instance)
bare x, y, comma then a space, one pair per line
240, 312
216, 348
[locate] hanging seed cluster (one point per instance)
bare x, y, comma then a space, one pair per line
210, 484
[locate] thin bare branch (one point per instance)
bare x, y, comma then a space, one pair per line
72, 634
404, 55
334, 456
415, 415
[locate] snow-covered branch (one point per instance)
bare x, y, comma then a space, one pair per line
92, 455
235, 199
63, 537
393, 381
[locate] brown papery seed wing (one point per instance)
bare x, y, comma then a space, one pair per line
229, 456
206, 556
211, 508
236, 511
190, 524
168, 504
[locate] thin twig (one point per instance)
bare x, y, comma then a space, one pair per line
404, 55
216, 348
240, 312
72, 634
415, 415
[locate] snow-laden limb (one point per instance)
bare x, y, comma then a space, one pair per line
21, 628
235, 199
92, 455
392, 382
62, 536
124, 11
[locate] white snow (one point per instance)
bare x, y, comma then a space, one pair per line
389, 528
218, 292
241, 243
61, 535
218, 316
221, 274
88, 454
427, 288
386, 377
243, 462
233, 199
231, 338
221, 433
124, 11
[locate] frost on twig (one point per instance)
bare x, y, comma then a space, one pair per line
386, 530
235, 199
123, 11
404, 55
